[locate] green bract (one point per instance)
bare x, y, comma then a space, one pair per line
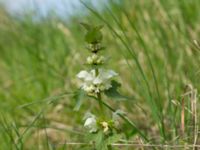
93, 35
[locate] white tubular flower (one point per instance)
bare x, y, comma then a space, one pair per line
90, 123
93, 83
105, 75
86, 76
105, 126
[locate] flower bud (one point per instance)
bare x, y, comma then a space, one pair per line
105, 126
94, 57
89, 60
101, 60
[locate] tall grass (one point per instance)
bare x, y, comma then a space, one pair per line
151, 45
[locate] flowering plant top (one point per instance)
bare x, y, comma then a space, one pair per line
96, 82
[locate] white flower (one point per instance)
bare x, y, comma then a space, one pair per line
90, 123
105, 126
104, 76
96, 83
87, 76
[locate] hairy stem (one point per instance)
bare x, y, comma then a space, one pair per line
100, 102
109, 147
99, 97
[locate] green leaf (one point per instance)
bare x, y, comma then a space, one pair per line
93, 34
131, 133
113, 139
99, 27
114, 93
99, 138
86, 26
79, 97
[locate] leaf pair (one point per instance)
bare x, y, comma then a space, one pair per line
93, 35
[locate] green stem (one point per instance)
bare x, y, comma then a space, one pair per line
100, 102
109, 147
99, 97
96, 72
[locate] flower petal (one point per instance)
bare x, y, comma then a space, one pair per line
87, 76
107, 74
97, 80
89, 121
82, 74
91, 124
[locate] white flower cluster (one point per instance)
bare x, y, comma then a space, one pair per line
93, 125
95, 83
95, 59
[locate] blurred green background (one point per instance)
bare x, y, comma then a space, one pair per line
151, 45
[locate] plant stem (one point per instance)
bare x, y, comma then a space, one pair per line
109, 147
99, 97
100, 102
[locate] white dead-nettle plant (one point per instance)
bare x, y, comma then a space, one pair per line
94, 82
